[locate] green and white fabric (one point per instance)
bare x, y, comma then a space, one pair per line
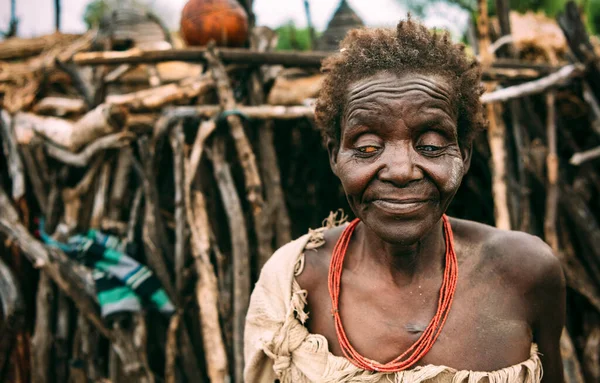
122, 283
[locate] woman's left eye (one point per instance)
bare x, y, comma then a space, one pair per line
429, 148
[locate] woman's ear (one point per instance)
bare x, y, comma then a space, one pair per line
332, 150
467, 152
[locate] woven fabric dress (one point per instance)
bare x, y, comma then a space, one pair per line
277, 345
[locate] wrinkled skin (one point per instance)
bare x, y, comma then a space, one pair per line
400, 165
398, 159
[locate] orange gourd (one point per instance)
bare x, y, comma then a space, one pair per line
224, 21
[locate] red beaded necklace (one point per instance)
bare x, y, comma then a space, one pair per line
433, 330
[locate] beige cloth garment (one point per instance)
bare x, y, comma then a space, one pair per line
277, 346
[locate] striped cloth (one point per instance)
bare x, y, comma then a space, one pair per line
122, 283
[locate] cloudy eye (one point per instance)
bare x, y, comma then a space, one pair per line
429, 148
369, 149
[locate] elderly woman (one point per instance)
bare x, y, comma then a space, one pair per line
405, 293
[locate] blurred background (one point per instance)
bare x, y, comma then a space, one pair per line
171, 144
36, 17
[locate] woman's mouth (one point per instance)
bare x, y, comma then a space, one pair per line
403, 206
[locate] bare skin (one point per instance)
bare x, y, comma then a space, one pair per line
400, 164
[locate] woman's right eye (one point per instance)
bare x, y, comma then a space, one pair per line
368, 149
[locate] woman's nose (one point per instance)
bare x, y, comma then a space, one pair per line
399, 166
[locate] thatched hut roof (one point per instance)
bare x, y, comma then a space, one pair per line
132, 25
342, 21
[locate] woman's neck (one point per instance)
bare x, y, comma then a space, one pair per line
398, 263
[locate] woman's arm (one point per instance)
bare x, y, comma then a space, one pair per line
550, 315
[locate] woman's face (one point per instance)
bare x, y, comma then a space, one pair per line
398, 157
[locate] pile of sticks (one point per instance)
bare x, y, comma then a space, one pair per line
205, 178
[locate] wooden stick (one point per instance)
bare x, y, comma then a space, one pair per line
33, 173
275, 217
483, 31
13, 312
99, 122
99, 206
118, 228
581, 217
72, 197
266, 112
171, 350
117, 73
550, 233
41, 342
60, 106
134, 217
135, 363
42, 160
587, 170
206, 287
241, 56
148, 160
510, 74
153, 225
577, 276
273, 189
115, 373
77, 370
205, 129
575, 31
61, 338
588, 96
571, 366
11, 152
188, 353
240, 250
115, 367
591, 355
120, 184
522, 147
227, 55
581, 157
561, 77
52, 211
19, 48
263, 225
225, 282
85, 89
157, 97
177, 142
89, 343
155, 243
153, 76
503, 13
496, 138
242, 145
82, 159
519, 200
142, 123
496, 129
585, 222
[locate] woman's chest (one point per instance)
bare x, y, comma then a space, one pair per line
485, 330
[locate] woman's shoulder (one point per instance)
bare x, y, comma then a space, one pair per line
290, 258
522, 258
283, 261
314, 262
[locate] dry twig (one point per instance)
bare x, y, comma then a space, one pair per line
242, 145
240, 250
207, 291
11, 153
